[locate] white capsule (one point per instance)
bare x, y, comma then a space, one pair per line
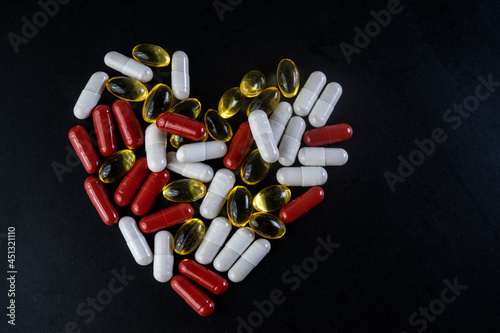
233, 249
249, 259
308, 95
302, 176
163, 263
325, 104
180, 75
217, 193
213, 240
155, 143
279, 119
90, 95
199, 171
322, 156
201, 151
290, 143
128, 66
135, 241
263, 136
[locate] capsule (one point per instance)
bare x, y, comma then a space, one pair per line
189, 236
117, 166
167, 217
302, 204
90, 95
233, 249
179, 141
131, 183
219, 189
100, 199
231, 102
239, 206
272, 198
184, 190
80, 140
159, 100
263, 136
290, 142
178, 124
203, 276
279, 119
288, 78
163, 259
104, 130
218, 127
193, 296
238, 150
324, 106
267, 101
190, 107
127, 88
149, 192
151, 55
156, 144
136, 242
327, 135
253, 83
254, 169
213, 240
199, 171
180, 75
201, 151
308, 95
128, 66
249, 259
302, 176
267, 225
320, 156
128, 124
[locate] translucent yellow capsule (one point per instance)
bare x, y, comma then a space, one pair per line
253, 83
116, 166
184, 190
239, 206
159, 100
127, 88
151, 55
267, 101
254, 168
218, 127
189, 236
189, 107
230, 103
267, 225
272, 198
177, 141
288, 78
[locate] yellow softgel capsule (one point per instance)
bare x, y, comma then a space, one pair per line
117, 166
272, 198
254, 168
159, 100
127, 88
189, 107
253, 83
231, 102
267, 225
189, 236
184, 190
288, 78
151, 55
239, 206
177, 141
218, 127
267, 101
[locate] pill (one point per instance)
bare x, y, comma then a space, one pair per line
327, 135
136, 242
178, 124
104, 130
279, 119
238, 150
199, 171
320, 156
218, 127
151, 55
180, 75
249, 259
128, 124
254, 168
100, 199
131, 183
190, 107
302, 204
203, 276
214, 238
128, 66
288, 78
201, 151
324, 106
149, 191
263, 136
90, 95
163, 259
231, 102
178, 141
184, 190
266, 101
267, 225
239, 206
302, 176
253, 83
217, 193
159, 100
167, 217
234, 247
290, 142
156, 148
80, 140
309, 94
272, 198
127, 88
116, 166
189, 236
193, 296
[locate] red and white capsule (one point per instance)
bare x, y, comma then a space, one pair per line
149, 192
129, 126
238, 150
80, 140
324, 106
100, 199
320, 156
136, 242
166, 218
104, 130
193, 296
163, 259
249, 259
327, 135
156, 148
181, 125
302, 204
131, 183
203, 276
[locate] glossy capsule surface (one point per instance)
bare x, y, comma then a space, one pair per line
322, 156
238, 150
159, 100
324, 106
290, 142
90, 95
131, 183
127, 88
267, 101
253, 83
288, 78
302, 176
116, 166
279, 119
201, 151
213, 240
128, 124
203, 276
193, 296
163, 259
254, 168
178, 124
272, 198
218, 127
263, 136
217, 193
189, 236
239, 206
249, 259
302, 204
327, 135
155, 146
180, 75
128, 66
309, 94
234, 247
104, 130
100, 199
231, 102
151, 55
136, 242
197, 170
80, 140
190, 107
184, 190
166, 218
149, 191
267, 225
178, 141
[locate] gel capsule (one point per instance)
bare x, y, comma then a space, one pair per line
100, 199
249, 259
327, 135
193, 296
253, 83
308, 95
128, 124
159, 100
267, 101
199, 171
218, 127
219, 189
128, 66
231, 102
239, 206
203, 276
238, 150
290, 143
288, 78
178, 124
80, 140
166, 218
320, 156
131, 183
267, 225
116, 166
302, 176
156, 144
136, 242
201, 151
184, 190
179, 141
90, 95
279, 119
127, 88
213, 240
263, 136
190, 107
233, 249
180, 75
151, 55
325, 104
189, 236
272, 198
104, 130
149, 192
163, 259
254, 169
301, 205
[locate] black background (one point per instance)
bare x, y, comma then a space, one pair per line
397, 248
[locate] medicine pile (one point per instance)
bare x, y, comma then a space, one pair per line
272, 126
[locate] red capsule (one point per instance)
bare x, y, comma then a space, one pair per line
193, 296
301, 205
181, 125
104, 130
241, 144
166, 218
100, 199
327, 135
129, 126
149, 191
80, 140
132, 182
203, 276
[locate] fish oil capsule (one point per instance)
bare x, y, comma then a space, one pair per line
203, 276
238, 150
100, 199
159, 100
219, 189
288, 78
254, 169
116, 166
267, 225
128, 66
301, 205
166, 218
80, 140
249, 259
239, 206
218, 127
309, 94
180, 75
151, 55
90, 95
190, 107
263, 136
267, 101
272, 198
201, 151
184, 190
279, 119
128, 124
199, 171
131, 183
253, 83
327, 135
302, 176
189, 236
324, 106
290, 142
149, 192
163, 259
135, 241
127, 88
320, 156
156, 144
233, 249
231, 102
178, 141
193, 296
178, 124
104, 130
213, 240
